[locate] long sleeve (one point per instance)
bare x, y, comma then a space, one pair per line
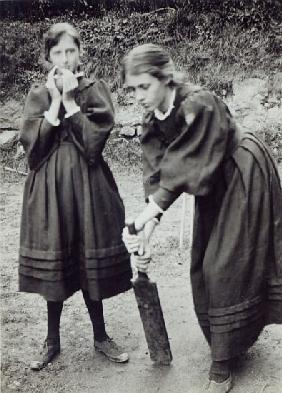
91, 126
37, 135
191, 162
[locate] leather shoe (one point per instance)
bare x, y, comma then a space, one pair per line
51, 349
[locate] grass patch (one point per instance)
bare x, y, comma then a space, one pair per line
211, 52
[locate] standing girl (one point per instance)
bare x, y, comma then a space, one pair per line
72, 215
191, 144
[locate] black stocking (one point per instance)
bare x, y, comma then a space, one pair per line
95, 309
54, 310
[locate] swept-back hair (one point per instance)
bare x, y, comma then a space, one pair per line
151, 59
53, 35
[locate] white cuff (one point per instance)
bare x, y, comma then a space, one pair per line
151, 200
73, 112
51, 121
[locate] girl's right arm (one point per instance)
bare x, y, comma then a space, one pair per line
37, 133
91, 126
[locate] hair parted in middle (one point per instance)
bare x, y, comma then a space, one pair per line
151, 59
53, 35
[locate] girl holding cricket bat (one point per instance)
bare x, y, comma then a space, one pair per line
72, 216
191, 144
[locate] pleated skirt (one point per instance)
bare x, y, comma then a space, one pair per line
236, 269
71, 228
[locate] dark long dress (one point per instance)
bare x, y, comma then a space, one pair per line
72, 215
236, 267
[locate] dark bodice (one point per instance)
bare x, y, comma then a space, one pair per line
186, 151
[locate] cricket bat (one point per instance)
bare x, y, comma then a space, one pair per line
151, 314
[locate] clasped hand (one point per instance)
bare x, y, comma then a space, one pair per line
139, 245
61, 84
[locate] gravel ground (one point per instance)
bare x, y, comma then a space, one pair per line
79, 369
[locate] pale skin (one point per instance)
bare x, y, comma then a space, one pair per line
65, 56
152, 93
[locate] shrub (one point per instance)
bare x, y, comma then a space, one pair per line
208, 39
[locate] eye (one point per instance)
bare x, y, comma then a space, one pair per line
129, 90
144, 86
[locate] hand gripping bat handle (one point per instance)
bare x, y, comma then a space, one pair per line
132, 231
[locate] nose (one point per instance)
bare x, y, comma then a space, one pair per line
139, 96
64, 58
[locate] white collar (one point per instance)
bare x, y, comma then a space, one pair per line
162, 116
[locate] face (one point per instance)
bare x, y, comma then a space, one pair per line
65, 54
149, 91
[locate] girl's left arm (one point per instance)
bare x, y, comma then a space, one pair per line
91, 129
192, 161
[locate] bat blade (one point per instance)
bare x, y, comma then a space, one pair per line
147, 297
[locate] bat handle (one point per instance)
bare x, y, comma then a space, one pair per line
143, 276
131, 228
132, 231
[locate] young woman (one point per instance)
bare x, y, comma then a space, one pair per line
191, 144
72, 217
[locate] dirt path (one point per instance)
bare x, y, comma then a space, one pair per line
79, 369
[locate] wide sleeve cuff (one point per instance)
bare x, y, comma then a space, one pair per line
163, 198
54, 123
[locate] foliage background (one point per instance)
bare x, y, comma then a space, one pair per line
214, 41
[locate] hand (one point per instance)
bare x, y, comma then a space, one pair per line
137, 244
70, 83
52, 86
55, 94
149, 228
141, 262
132, 242
151, 211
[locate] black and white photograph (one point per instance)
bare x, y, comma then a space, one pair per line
141, 196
